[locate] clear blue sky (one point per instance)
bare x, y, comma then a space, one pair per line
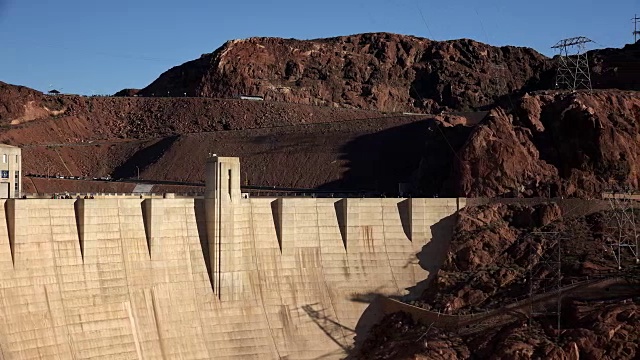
85, 46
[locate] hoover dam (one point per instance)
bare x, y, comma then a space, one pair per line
215, 277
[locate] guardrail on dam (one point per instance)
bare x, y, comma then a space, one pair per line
219, 277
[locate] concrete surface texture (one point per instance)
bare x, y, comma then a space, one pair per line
219, 277
10, 171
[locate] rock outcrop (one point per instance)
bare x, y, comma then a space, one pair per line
383, 71
19, 104
616, 68
127, 92
491, 263
551, 144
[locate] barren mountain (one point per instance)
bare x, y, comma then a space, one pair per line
280, 144
77, 118
545, 143
383, 71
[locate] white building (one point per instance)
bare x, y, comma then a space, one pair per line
10, 168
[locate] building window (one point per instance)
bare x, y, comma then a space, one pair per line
5, 174
16, 158
17, 184
4, 158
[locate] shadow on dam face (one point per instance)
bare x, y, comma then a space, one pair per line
337, 332
404, 210
430, 258
433, 254
201, 224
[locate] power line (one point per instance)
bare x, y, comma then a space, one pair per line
501, 71
545, 273
486, 35
425, 21
421, 99
500, 74
453, 150
93, 52
621, 231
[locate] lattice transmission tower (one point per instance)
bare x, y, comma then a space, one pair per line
500, 73
573, 64
621, 232
635, 21
545, 275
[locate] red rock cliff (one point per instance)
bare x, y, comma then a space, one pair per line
381, 71
556, 144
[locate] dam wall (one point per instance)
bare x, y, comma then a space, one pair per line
220, 277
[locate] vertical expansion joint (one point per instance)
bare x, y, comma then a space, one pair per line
341, 208
219, 229
405, 211
10, 218
147, 219
276, 213
210, 216
78, 207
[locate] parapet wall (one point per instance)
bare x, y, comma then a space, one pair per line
141, 279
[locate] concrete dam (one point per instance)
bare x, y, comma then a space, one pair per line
207, 278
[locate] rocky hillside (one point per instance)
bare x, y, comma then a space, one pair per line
616, 68
20, 104
548, 144
604, 331
494, 259
531, 144
384, 71
551, 144
280, 144
75, 118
